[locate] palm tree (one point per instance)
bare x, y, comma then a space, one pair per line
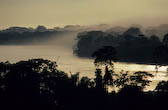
105, 57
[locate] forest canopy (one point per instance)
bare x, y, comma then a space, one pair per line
132, 45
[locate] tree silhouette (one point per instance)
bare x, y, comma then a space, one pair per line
35, 82
122, 80
75, 78
106, 56
141, 79
4, 68
99, 79
38, 84
162, 86
160, 56
165, 40
108, 77
85, 82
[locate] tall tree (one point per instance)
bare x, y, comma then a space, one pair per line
99, 79
105, 57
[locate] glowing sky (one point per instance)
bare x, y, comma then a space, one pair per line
53, 13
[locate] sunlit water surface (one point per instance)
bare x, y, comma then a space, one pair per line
69, 63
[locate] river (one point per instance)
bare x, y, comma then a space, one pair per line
69, 63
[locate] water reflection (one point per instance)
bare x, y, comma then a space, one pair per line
69, 63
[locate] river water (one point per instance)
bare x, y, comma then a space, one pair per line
69, 63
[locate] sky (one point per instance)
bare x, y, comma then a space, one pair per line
53, 13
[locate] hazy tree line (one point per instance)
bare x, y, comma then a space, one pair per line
28, 38
41, 34
132, 45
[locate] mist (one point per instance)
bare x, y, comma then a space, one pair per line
67, 36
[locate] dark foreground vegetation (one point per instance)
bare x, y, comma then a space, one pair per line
37, 84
